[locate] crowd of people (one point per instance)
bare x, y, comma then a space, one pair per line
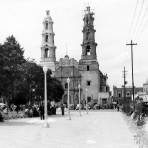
21, 111
37, 110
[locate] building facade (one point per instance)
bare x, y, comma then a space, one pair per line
68, 68
145, 88
88, 64
84, 72
118, 93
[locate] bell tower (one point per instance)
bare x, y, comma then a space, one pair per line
48, 57
88, 44
88, 64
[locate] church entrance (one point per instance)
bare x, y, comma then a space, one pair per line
65, 99
76, 99
88, 99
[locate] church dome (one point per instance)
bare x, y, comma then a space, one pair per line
66, 56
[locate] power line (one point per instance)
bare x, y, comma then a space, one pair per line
143, 23
133, 18
138, 19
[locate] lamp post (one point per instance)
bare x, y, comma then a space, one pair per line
68, 81
45, 69
86, 102
79, 99
33, 97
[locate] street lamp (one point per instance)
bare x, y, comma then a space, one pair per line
86, 101
45, 69
68, 81
33, 96
79, 99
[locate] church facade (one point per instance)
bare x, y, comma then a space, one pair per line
85, 72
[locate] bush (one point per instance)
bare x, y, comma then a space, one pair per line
127, 109
35, 112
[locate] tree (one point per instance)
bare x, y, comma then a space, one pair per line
12, 58
33, 80
2, 59
55, 89
22, 80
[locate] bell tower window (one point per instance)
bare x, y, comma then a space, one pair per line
46, 53
88, 50
46, 38
87, 35
46, 25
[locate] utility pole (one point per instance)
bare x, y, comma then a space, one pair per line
132, 44
125, 82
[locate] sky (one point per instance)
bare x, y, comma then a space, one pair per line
116, 23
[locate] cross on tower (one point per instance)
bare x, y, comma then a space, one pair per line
132, 44
47, 12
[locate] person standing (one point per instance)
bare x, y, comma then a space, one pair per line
62, 109
41, 109
118, 107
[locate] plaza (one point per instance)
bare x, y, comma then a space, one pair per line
63, 56
105, 129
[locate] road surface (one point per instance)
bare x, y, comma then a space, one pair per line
98, 129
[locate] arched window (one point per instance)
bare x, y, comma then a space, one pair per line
128, 94
87, 67
119, 95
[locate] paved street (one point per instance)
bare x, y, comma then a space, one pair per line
98, 129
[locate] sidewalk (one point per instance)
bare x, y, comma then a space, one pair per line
96, 130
